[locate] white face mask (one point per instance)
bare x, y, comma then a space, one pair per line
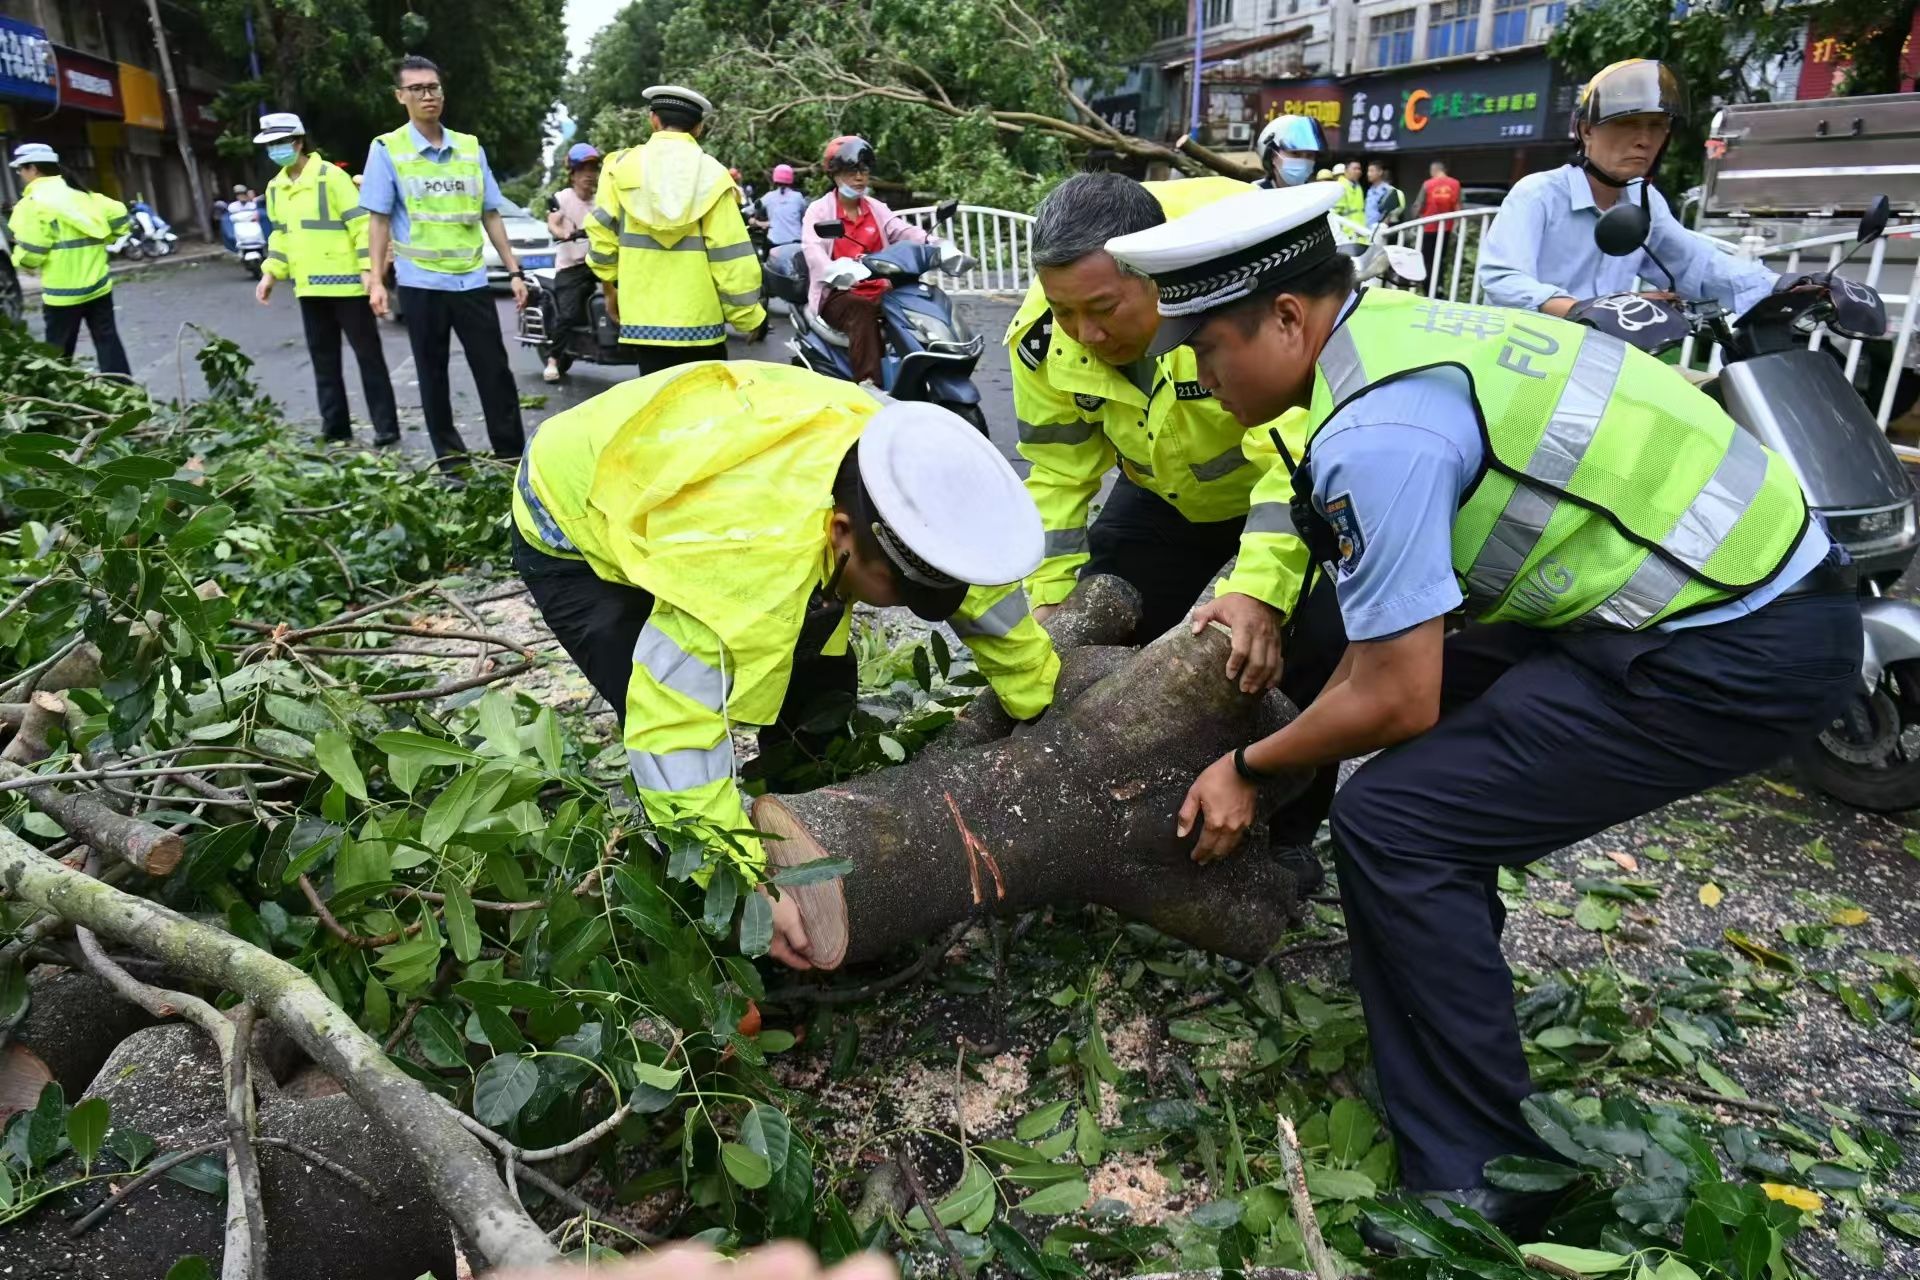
850, 192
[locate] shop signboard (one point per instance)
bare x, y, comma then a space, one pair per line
1322, 100
27, 71
88, 83
1449, 107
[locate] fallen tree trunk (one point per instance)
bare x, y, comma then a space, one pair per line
73, 1022
1077, 808
451, 1164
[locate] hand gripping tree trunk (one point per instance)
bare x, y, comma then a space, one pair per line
1079, 807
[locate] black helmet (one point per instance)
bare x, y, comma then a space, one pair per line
849, 152
1636, 87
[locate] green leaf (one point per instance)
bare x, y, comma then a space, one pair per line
87, 1128
1859, 1241
1339, 1184
1089, 1144
6, 1185
1718, 1080
1588, 1262
463, 929
405, 743
376, 1007
890, 748
132, 1146
1195, 1031
1703, 1238
1035, 1123
1015, 1250
1652, 1204
434, 1032
498, 725
46, 1127
207, 524
969, 1194
814, 872
1753, 1247
503, 1087
1906, 1222
202, 1173
756, 925
656, 1076
1350, 1130
191, 1267
1598, 915
723, 895
335, 755
1061, 1197
1528, 1173
508, 993
1006, 1152
547, 743
766, 1132
745, 1166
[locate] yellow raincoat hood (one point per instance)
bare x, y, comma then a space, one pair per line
715, 494
668, 185
79, 213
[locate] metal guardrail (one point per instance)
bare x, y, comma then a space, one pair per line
999, 240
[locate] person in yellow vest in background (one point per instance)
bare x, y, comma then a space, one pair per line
695, 540
1351, 207
319, 241
668, 242
63, 233
429, 195
1088, 395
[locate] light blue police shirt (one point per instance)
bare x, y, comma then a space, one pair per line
785, 207
1540, 246
1396, 461
380, 193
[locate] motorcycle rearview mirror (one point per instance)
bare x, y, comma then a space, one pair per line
944, 214
829, 230
1874, 222
1622, 229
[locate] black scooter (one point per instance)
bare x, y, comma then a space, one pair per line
540, 327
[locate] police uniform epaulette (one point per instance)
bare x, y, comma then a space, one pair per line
1032, 345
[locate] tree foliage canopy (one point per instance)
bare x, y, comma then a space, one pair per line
331, 60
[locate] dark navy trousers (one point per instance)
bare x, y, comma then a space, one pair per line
1544, 738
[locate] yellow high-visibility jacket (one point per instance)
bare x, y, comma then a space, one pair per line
1078, 415
666, 229
319, 237
63, 234
710, 486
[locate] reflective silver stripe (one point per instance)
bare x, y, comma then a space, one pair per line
604, 218
465, 219
101, 283
682, 770
678, 670
1570, 430
604, 259
750, 298
24, 247
433, 255
1224, 464
1269, 517
325, 212
355, 212
1340, 364
543, 521
276, 255
742, 250
78, 242
323, 224
1141, 467
1000, 620
1698, 533
1058, 432
1065, 542
641, 240
363, 254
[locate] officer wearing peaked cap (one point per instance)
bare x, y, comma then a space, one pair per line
695, 539
1652, 612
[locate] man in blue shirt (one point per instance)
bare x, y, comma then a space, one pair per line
1539, 254
1509, 739
438, 303
1384, 200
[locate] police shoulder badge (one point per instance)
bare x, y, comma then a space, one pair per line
1087, 403
1031, 348
1351, 542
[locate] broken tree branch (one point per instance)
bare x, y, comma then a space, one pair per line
455, 1170
1295, 1168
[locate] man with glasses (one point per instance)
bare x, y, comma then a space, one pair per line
430, 194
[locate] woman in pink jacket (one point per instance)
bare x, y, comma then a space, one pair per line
867, 226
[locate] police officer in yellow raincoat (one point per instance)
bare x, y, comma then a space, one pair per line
695, 539
63, 233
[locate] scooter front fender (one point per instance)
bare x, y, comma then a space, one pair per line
1892, 634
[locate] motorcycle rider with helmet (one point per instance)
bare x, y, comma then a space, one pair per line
568, 210
841, 290
1292, 149
783, 208
1539, 254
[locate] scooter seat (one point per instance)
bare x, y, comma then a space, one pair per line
824, 331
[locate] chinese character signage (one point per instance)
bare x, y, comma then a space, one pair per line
1321, 100
1823, 72
1480, 105
1121, 110
26, 63
88, 83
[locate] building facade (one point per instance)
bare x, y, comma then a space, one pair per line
84, 76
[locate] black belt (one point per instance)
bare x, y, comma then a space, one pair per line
1826, 578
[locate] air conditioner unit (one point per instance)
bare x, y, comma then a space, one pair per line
1240, 132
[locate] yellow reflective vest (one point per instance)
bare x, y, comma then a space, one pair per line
710, 486
445, 200
63, 234
1079, 416
319, 237
666, 229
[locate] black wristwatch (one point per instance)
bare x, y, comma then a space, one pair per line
516, 275
1245, 770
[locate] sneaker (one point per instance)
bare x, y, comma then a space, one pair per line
551, 373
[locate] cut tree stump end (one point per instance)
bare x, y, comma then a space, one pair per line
823, 905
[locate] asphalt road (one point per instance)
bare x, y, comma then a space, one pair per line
157, 309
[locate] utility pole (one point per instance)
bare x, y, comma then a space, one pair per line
199, 196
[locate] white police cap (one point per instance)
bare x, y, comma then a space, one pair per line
1225, 251
33, 153
951, 512
278, 125
677, 96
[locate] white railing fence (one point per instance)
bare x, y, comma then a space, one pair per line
999, 240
